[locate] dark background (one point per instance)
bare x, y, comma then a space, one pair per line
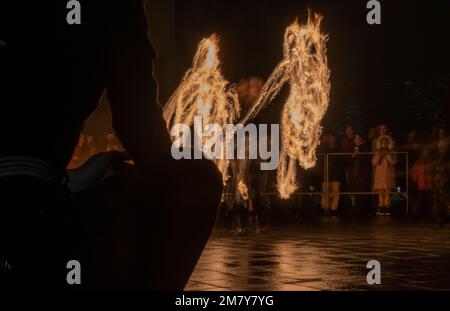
397, 72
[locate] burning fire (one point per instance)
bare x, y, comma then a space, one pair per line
204, 92
309, 80
305, 68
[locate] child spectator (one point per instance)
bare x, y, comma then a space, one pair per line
422, 176
384, 162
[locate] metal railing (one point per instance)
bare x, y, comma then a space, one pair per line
326, 179
405, 194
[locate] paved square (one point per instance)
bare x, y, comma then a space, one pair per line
330, 255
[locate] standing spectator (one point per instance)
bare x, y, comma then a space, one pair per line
422, 176
358, 172
441, 171
412, 146
372, 135
348, 142
384, 162
375, 133
442, 144
347, 145
330, 190
440, 188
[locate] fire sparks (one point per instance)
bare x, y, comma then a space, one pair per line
305, 68
309, 80
204, 92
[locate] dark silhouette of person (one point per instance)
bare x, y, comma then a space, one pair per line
144, 226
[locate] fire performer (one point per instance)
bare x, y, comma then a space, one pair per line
143, 228
246, 174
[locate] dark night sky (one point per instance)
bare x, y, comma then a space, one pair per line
410, 44
411, 40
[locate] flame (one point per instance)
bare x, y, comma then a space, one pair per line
243, 189
309, 80
204, 92
305, 68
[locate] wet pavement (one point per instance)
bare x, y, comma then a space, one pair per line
329, 255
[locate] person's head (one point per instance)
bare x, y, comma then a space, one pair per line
331, 141
349, 131
412, 136
383, 129
249, 90
255, 86
441, 133
425, 154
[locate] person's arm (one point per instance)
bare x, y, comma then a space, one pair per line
376, 159
132, 89
98, 167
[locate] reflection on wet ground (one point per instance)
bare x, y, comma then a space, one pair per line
330, 255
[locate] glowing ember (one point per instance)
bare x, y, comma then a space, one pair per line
204, 92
